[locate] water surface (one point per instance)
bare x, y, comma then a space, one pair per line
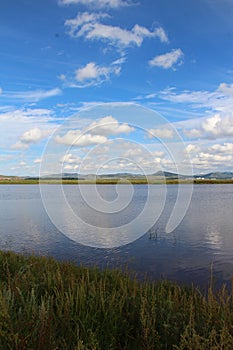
203, 238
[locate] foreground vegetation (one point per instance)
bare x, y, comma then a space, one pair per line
49, 305
113, 181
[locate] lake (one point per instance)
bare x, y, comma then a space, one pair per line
203, 239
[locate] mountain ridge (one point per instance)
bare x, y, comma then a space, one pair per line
124, 175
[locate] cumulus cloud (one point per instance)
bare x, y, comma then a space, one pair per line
109, 126
15, 122
69, 167
208, 156
31, 136
168, 60
214, 127
192, 148
79, 139
70, 159
34, 135
90, 71
226, 147
206, 160
96, 133
92, 74
98, 3
215, 157
89, 26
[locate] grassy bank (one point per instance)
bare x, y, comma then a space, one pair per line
114, 181
49, 305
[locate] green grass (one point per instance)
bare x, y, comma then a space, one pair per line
112, 181
45, 304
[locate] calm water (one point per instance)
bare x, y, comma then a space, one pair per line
204, 237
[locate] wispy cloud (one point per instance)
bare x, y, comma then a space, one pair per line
89, 26
16, 123
32, 96
168, 60
98, 3
220, 100
165, 133
37, 160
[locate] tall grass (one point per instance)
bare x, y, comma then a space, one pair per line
49, 305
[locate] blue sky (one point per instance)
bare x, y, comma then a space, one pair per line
66, 64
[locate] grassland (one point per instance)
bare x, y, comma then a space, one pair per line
49, 305
112, 181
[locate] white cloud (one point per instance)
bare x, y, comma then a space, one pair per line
119, 61
98, 3
32, 96
69, 167
37, 160
220, 100
80, 139
29, 137
34, 135
210, 159
88, 25
218, 126
70, 159
109, 126
19, 146
0, 90
214, 127
15, 122
164, 133
222, 148
192, 148
167, 60
90, 71
213, 157
192, 133
91, 74
96, 133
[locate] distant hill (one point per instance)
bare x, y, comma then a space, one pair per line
165, 174
159, 175
217, 175
6, 177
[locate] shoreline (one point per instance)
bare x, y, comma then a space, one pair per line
116, 181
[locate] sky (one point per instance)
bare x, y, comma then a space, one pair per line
116, 86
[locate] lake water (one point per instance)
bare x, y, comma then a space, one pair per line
203, 238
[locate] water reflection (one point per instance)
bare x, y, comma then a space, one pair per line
205, 235
213, 237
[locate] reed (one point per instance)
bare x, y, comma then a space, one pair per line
45, 304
